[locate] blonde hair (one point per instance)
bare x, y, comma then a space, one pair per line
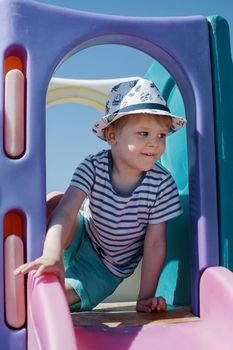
163, 120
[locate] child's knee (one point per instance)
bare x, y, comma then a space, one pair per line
71, 296
52, 200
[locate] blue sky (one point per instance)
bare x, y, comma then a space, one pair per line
68, 126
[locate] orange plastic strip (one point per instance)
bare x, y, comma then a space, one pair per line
12, 62
13, 224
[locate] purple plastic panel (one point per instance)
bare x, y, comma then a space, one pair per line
49, 35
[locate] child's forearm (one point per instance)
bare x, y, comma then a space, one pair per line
62, 223
53, 246
58, 232
152, 264
59, 236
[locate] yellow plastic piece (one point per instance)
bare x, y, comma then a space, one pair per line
88, 92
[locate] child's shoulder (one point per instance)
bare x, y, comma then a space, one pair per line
101, 157
98, 156
159, 170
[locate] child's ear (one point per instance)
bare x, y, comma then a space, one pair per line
110, 135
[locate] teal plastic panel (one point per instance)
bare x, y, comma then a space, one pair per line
174, 282
222, 70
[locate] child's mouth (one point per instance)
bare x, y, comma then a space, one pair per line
149, 154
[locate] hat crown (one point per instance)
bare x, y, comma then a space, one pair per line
131, 93
137, 96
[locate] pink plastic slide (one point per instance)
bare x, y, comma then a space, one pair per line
50, 326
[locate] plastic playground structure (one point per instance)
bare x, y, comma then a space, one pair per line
193, 69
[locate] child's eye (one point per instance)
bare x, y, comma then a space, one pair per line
162, 136
143, 133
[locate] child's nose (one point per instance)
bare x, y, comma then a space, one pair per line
153, 140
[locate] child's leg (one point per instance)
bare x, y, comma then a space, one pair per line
86, 273
71, 296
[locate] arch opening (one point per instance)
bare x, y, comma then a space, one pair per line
174, 294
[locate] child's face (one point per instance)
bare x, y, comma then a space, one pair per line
140, 142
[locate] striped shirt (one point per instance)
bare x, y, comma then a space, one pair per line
116, 222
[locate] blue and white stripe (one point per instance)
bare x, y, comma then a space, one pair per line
116, 222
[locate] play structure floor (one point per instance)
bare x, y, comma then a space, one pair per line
124, 314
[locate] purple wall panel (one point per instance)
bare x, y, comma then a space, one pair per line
48, 35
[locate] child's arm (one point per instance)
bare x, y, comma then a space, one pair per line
58, 235
153, 259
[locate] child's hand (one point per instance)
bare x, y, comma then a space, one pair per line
151, 304
43, 265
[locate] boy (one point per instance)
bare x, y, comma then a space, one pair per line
127, 196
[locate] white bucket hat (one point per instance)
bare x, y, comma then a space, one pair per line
135, 97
